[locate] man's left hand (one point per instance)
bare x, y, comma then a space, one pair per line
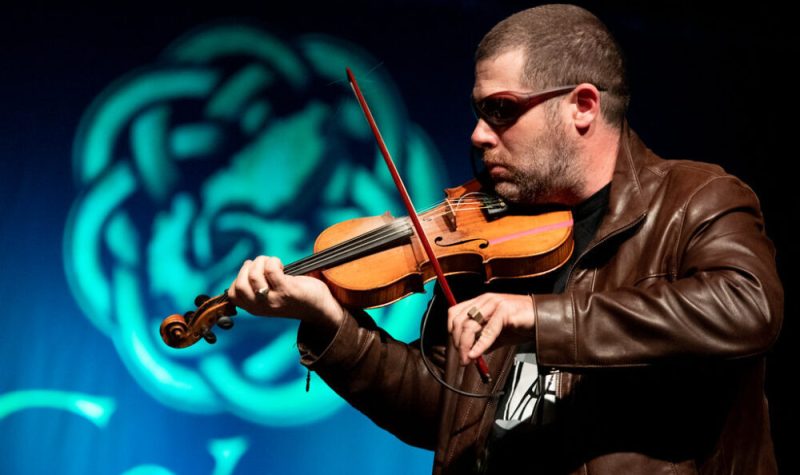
490, 320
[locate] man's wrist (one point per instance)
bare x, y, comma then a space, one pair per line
317, 334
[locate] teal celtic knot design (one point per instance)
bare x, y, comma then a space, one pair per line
233, 144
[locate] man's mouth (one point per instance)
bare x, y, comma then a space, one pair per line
497, 170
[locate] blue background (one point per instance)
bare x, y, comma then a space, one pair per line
707, 85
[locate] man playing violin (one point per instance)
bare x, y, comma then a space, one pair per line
642, 355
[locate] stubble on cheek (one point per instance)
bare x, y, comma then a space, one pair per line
545, 172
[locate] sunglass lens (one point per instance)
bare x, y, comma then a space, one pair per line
498, 110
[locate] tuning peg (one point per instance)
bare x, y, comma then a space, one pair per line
210, 337
225, 322
200, 299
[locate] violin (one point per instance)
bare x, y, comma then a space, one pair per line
375, 261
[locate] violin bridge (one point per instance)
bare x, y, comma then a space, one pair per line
450, 216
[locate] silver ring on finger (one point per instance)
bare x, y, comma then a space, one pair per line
263, 292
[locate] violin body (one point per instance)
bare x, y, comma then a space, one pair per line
465, 238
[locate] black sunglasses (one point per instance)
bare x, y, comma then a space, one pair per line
504, 108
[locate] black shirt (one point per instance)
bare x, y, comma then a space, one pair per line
523, 418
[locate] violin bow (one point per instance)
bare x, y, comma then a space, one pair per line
483, 368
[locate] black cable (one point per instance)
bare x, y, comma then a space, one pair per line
431, 369
540, 381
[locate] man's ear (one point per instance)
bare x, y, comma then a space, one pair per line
585, 101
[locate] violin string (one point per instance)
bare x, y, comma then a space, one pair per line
480, 205
483, 198
365, 241
406, 228
357, 245
384, 235
310, 260
347, 253
360, 245
472, 204
460, 210
331, 253
457, 211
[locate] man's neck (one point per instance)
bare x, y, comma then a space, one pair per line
600, 158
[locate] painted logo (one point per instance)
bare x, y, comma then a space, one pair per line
233, 144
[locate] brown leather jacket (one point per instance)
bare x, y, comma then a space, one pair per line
659, 340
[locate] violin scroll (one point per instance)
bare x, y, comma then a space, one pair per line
181, 331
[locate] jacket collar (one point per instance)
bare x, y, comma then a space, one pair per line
626, 202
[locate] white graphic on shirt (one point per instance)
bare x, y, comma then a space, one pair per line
524, 393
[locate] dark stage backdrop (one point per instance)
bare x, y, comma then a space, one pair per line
146, 150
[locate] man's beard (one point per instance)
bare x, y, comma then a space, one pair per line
546, 173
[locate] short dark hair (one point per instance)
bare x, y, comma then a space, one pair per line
564, 44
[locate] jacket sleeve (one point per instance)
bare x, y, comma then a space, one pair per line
720, 298
383, 378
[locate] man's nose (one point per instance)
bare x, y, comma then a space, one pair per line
483, 136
